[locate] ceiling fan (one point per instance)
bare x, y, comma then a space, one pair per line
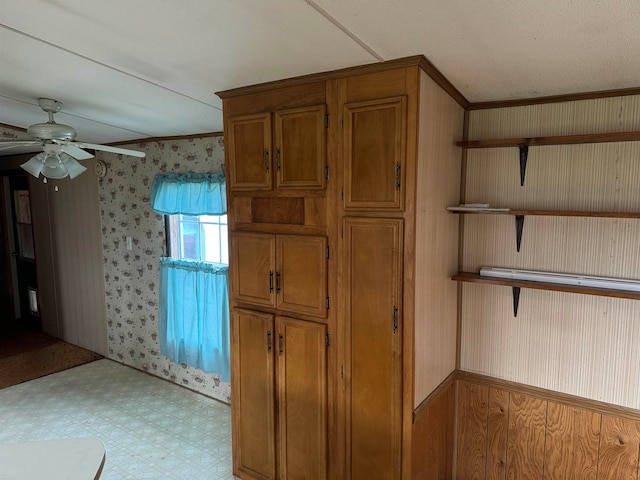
60, 153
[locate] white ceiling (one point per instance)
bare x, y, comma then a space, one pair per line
132, 69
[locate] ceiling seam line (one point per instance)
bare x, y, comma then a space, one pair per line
344, 29
84, 57
78, 116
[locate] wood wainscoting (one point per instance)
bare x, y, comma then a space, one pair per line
482, 428
511, 431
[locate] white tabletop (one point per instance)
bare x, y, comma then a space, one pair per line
63, 459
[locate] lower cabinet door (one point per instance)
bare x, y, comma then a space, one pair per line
253, 395
302, 399
373, 341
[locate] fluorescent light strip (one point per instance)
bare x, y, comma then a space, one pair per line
562, 278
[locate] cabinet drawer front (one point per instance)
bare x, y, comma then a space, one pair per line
373, 335
253, 268
374, 154
253, 393
302, 274
300, 153
249, 152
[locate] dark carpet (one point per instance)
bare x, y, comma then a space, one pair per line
28, 355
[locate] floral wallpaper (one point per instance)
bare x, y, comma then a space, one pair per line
132, 276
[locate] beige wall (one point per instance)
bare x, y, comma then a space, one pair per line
440, 125
576, 344
132, 277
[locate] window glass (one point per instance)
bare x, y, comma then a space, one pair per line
201, 238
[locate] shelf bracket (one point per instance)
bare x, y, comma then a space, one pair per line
519, 227
516, 300
524, 154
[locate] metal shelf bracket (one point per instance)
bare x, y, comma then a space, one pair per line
519, 227
524, 154
516, 300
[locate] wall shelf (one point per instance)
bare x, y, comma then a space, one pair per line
520, 214
516, 285
523, 144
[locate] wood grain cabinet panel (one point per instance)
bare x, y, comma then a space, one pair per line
298, 381
253, 268
374, 153
253, 393
302, 405
248, 146
285, 272
301, 281
300, 152
374, 340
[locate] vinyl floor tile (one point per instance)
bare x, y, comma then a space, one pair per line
151, 429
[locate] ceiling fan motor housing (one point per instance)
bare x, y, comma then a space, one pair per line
52, 131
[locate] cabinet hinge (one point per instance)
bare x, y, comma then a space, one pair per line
328, 252
268, 341
326, 172
398, 176
327, 340
277, 159
328, 303
326, 120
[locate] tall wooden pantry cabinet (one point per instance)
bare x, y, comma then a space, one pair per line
341, 253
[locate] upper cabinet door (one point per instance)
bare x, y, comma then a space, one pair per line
374, 152
249, 152
300, 148
253, 268
301, 283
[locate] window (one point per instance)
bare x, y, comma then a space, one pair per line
201, 238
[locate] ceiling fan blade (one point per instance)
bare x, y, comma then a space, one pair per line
18, 143
75, 152
106, 148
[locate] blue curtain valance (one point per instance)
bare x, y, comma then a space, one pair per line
189, 194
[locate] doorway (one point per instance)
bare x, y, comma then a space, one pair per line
19, 292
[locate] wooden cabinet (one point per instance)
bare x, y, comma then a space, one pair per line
389, 144
374, 151
286, 272
373, 373
295, 155
298, 379
302, 399
253, 393
248, 143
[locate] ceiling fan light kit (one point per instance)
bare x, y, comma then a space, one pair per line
61, 153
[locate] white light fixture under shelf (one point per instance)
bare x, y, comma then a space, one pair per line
562, 278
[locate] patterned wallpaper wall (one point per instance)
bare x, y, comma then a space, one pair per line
132, 277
